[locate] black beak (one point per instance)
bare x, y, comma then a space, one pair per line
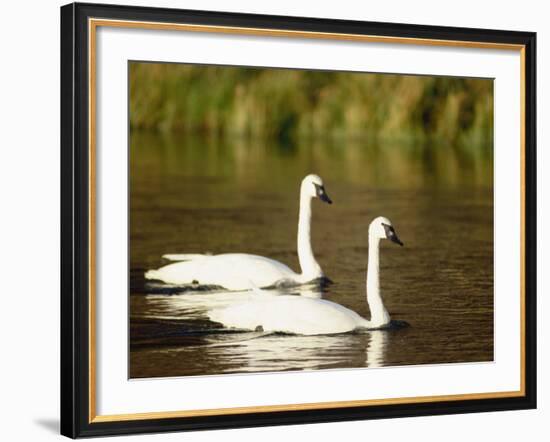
322, 194
324, 197
391, 235
396, 240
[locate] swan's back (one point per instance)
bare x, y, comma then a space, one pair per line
289, 314
234, 271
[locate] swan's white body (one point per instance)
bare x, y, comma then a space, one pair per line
233, 271
240, 271
308, 316
290, 314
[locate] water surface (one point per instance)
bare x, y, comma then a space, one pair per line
197, 195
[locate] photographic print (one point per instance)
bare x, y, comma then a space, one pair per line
272, 220
287, 219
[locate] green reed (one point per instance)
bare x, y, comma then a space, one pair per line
288, 104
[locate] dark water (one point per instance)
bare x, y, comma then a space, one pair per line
196, 195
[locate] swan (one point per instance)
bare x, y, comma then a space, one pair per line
240, 271
309, 316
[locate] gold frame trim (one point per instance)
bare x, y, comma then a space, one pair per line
93, 24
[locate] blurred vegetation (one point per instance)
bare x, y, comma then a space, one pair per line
286, 104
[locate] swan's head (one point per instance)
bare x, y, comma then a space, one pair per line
382, 228
312, 186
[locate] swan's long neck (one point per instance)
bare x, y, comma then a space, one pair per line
379, 314
310, 268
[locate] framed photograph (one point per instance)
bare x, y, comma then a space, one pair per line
274, 220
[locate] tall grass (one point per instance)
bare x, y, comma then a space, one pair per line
286, 104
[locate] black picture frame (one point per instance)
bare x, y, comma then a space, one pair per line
75, 220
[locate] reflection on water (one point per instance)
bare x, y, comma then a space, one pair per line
254, 351
375, 350
196, 195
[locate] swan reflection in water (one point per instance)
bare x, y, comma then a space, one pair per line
277, 352
231, 351
376, 348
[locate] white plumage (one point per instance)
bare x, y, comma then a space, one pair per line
289, 314
309, 316
233, 271
240, 271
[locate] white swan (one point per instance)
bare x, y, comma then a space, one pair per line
308, 316
239, 271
